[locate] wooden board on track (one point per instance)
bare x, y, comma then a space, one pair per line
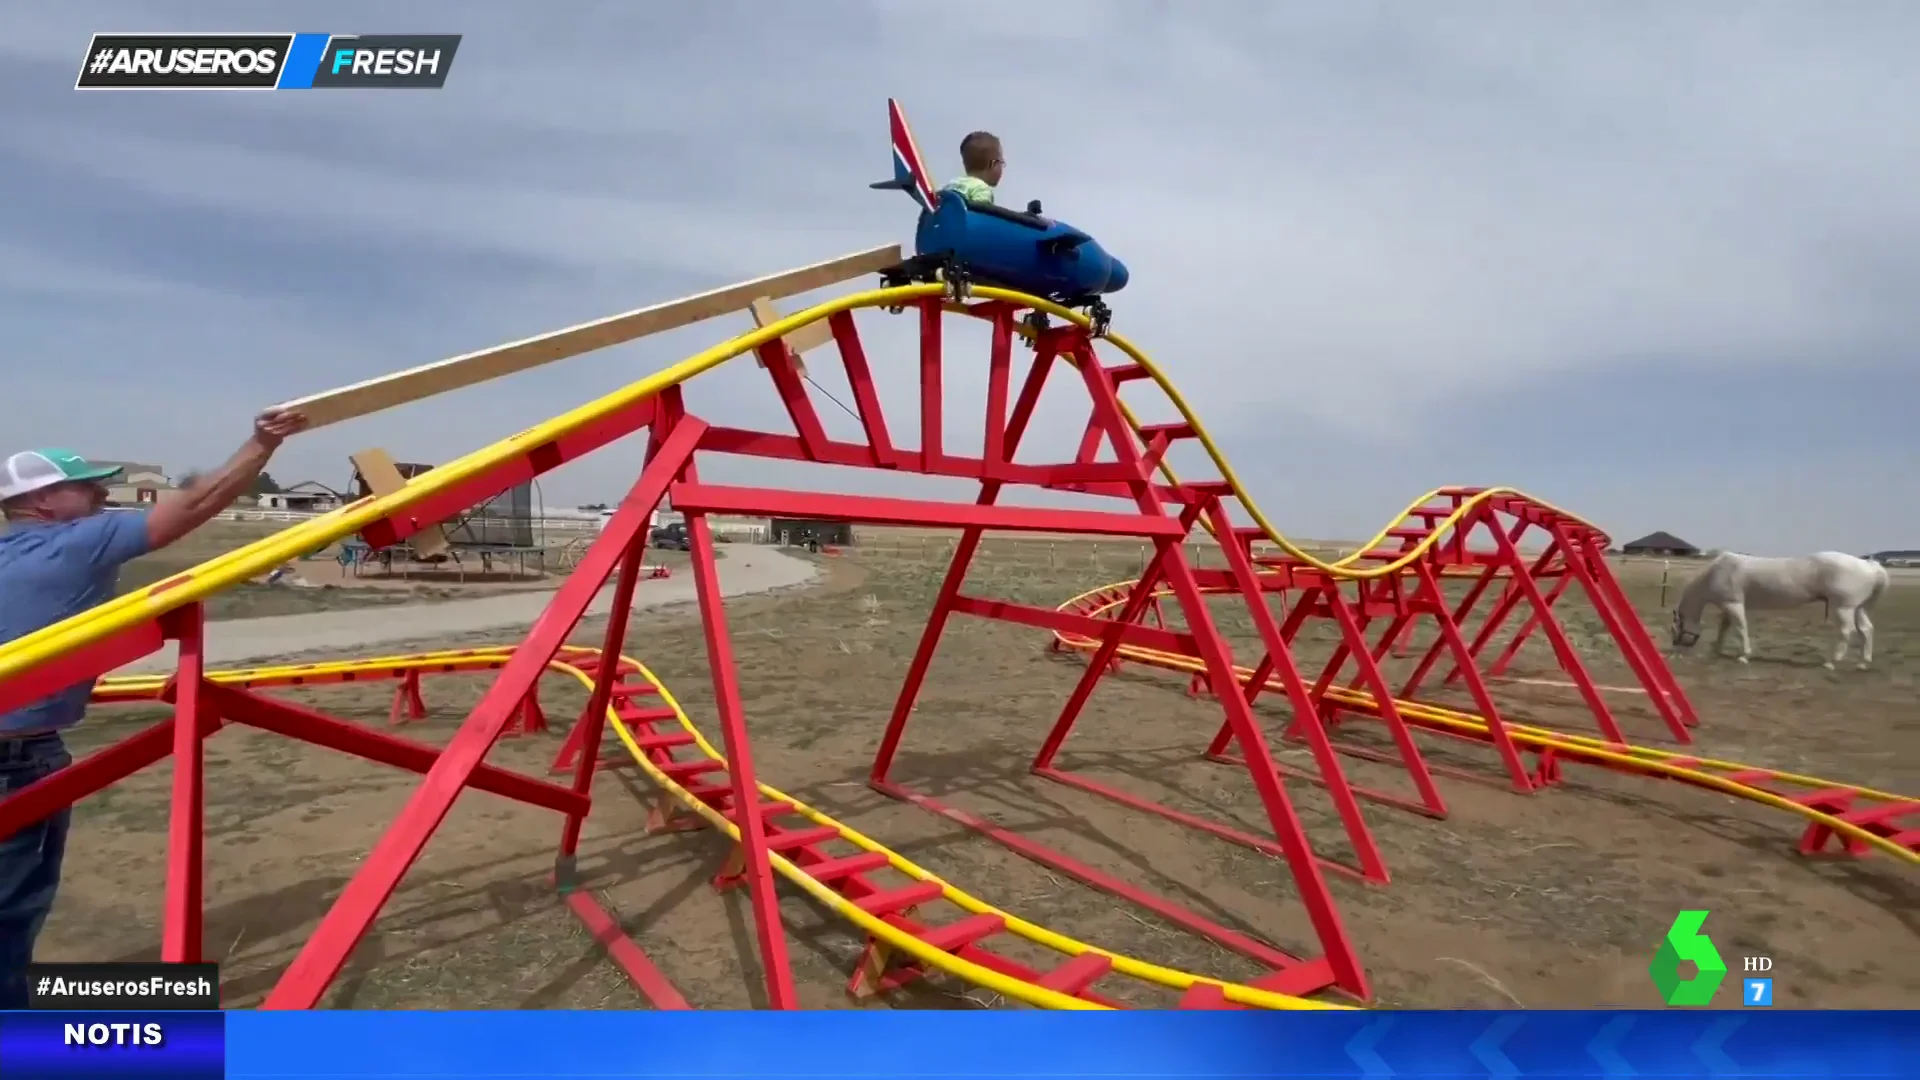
387, 391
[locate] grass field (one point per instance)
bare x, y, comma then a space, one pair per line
1551, 900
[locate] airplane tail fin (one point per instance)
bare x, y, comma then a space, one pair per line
909, 168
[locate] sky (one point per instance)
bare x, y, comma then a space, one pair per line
1651, 262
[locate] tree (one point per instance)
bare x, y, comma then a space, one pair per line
264, 484
188, 480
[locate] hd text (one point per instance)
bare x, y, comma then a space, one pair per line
267, 61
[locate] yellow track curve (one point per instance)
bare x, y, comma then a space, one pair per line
133, 687
1346, 567
1577, 747
264, 555
252, 560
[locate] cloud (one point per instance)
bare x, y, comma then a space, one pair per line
1374, 245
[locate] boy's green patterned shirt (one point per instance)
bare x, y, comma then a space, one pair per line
971, 188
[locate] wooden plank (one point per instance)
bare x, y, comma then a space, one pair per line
811, 336
383, 478
399, 388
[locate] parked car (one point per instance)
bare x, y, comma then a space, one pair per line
671, 537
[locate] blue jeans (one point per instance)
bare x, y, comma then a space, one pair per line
29, 861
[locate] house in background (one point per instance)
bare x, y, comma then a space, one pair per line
307, 497
1663, 544
137, 483
802, 532
1896, 558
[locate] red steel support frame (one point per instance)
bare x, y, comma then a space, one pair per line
676, 438
181, 925
202, 707
1339, 965
1573, 553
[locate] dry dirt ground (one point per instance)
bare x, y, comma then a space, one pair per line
1551, 900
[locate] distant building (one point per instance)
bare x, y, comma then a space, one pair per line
307, 496
137, 482
1896, 558
1662, 544
653, 519
802, 531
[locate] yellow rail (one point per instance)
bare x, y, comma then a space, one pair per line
880, 929
1345, 567
1647, 759
252, 560
260, 557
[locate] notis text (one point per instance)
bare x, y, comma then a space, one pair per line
121, 1034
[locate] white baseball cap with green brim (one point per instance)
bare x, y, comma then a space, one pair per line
32, 470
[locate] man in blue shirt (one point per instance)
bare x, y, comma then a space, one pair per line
60, 555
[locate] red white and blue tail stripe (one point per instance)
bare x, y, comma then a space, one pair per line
909, 168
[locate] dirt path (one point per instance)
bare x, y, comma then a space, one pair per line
745, 571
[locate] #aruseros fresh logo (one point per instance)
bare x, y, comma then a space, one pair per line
1684, 941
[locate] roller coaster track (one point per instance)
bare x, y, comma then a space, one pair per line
1430, 535
840, 881
100, 623
1854, 807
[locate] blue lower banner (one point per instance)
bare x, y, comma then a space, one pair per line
898, 1044
125, 1045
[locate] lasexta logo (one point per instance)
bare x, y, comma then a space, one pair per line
1685, 942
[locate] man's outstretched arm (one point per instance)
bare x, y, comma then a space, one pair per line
194, 507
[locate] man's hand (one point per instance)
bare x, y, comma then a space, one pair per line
272, 427
175, 518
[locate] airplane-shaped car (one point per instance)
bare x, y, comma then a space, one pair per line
990, 245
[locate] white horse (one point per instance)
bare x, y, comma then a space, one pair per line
1846, 584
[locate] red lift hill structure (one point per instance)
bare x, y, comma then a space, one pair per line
1475, 571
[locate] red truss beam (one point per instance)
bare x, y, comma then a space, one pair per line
1573, 552
674, 441
1441, 534
343, 927
1339, 966
114, 651
533, 461
201, 707
1064, 476
1435, 549
1163, 512
765, 502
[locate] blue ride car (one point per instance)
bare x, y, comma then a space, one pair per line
990, 245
